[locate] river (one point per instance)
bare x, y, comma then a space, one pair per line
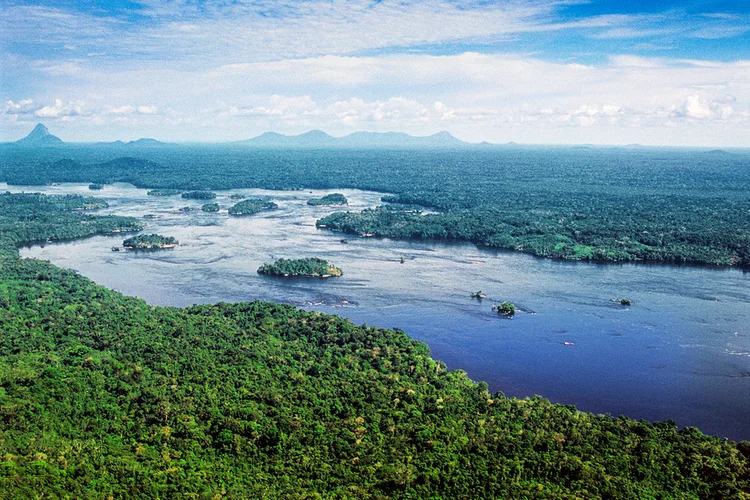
681, 351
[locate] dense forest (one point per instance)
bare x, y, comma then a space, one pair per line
210, 207
199, 195
251, 206
103, 395
164, 192
329, 199
311, 267
665, 205
149, 242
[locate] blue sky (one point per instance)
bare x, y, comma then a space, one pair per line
538, 71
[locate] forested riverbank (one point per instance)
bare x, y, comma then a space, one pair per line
103, 394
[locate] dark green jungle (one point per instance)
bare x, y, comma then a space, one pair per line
103, 395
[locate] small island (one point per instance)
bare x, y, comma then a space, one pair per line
96, 187
311, 267
478, 295
210, 207
623, 301
149, 242
506, 309
199, 195
329, 199
252, 206
164, 192
237, 196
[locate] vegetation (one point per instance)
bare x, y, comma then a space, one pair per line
478, 295
210, 207
102, 395
199, 195
310, 267
626, 302
149, 242
662, 205
329, 199
164, 192
252, 206
237, 196
506, 309
96, 187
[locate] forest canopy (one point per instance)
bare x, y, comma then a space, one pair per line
310, 267
103, 395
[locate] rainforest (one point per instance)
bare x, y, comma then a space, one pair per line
103, 395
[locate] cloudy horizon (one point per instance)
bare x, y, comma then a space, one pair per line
546, 71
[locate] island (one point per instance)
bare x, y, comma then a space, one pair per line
252, 206
149, 242
237, 196
210, 207
329, 199
96, 187
164, 192
311, 267
199, 195
478, 295
506, 309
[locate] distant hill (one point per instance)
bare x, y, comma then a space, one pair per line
40, 137
318, 138
143, 142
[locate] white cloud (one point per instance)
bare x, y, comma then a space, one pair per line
59, 110
147, 110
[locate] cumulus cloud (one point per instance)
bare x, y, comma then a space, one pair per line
22, 107
147, 110
59, 110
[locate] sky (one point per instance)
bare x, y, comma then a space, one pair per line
536, 71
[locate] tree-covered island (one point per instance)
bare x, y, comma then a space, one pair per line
199, 195
164, 192
210, 207
252, 206
311, 267
329, 199
149, 242
96, 187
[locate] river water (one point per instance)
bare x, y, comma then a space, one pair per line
680, 352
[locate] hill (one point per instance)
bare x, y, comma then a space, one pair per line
317, 138
40, 137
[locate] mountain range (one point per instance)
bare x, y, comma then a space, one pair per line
41, 137
318, 138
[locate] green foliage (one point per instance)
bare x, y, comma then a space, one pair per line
149, 242
626, 302
210, 207
329, 199
506, 309
164, 192
102, 395
96, 187
663, 205
252, 206
30, 217
312, 267
199, 195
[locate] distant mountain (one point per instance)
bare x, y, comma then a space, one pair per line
143, 142
40, 136
318, 138
313, 138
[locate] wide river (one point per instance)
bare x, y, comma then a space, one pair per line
680, 352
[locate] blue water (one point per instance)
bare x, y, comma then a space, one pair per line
680, 352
